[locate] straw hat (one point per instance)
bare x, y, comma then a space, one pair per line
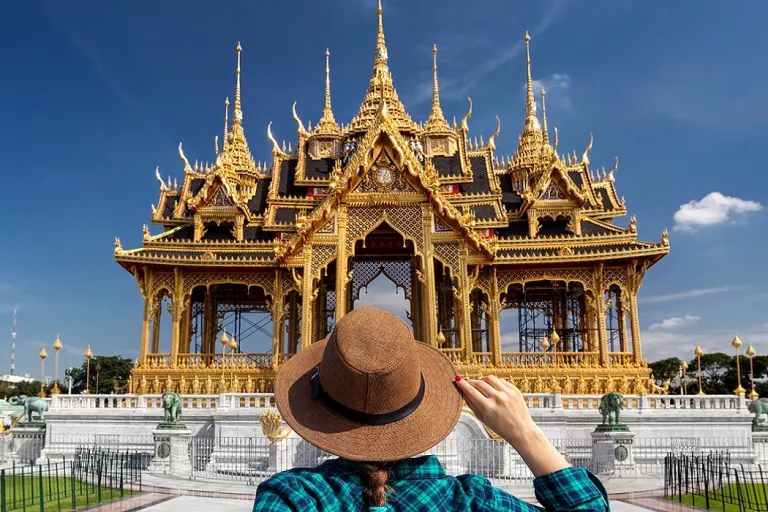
369, 392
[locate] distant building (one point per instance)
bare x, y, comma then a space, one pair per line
15, 379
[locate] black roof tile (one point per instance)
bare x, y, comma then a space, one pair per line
255, 233
287, 186
258, 203
447, 165
509, 198
514, 229
605, 199
554, 251
576, 178
283, 215
483, 211
321, 168
185, 233
169, 205
590, 228
218, 234
196, 185
481, 181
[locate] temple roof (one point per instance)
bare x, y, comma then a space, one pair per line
533, 205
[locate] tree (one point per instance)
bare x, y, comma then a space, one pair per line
112, 367
666, 368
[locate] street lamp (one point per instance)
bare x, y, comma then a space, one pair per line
698, 353
88, 356
736, 343
56, 346
683, 370
751, 353
98, 370
43, 355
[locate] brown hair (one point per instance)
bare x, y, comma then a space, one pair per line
374, 478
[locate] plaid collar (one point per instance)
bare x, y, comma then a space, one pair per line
415, 468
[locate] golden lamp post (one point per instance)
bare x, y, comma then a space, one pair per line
683, 370
88, 356
544, 347
736, 343
698, 353
232, 348
56, 346
751, 353
43, 355
555, 339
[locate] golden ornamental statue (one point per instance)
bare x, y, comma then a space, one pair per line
472, 238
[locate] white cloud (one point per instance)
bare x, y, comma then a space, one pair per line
673, 322
556, 88
689, 294
714, 209
660, 345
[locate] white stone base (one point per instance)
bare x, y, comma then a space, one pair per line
613, 454
171, 451
28, 442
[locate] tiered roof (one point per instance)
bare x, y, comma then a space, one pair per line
534, 206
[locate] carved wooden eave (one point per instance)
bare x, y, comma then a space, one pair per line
158, 213
344, 181
617, 206
202, 258
581, 253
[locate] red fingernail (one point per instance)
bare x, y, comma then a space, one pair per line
458, 378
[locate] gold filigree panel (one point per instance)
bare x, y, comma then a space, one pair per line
405, 219
163, 280
614, 275
265, 280
448, 252
322, 255
484, 281
287, 283
508, 277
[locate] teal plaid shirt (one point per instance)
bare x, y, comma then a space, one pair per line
420, 484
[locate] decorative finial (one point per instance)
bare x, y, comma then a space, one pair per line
585, 155
492, 140
118, 246
160, 179
276, 151
436, 122
187, 167
327, 124
544, 132
557, 141
57, 344
301, 130
238, 105
736, 343
698, 352
226, 122
530, 102
467, 116
380, 55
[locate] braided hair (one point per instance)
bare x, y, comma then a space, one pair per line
374, 479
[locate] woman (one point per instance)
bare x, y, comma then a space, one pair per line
376, 398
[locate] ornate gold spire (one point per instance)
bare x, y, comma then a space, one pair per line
236, 149
531, 140
436, 121
226, 123
379, 87
327, 124
544, 133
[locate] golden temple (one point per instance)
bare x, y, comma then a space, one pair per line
470, 237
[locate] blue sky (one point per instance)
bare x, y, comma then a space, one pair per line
95, 95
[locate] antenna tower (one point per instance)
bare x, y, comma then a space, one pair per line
13, 343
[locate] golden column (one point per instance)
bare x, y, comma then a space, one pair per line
43, 355
88, 356
698, 353
736, 343
56, 346
683, 370
751, 353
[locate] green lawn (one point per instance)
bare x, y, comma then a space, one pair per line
23, 493
752, 495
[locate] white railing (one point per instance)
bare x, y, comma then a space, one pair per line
224, 400
266, 400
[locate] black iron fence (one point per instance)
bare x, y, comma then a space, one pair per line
93, 476
711, 482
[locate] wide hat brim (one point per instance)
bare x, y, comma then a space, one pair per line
430, 423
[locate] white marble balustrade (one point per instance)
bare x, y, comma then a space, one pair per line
129, 401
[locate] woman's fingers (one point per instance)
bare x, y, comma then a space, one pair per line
495, 383
484, 388
471, 395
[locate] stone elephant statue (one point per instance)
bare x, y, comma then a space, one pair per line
30, 404
611, 403
171, 407
758, 408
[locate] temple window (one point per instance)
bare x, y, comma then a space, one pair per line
478, 314
553, 227
446, 307
617, 324
325, 303
292, 323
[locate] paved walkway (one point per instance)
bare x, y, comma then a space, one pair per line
163, 494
